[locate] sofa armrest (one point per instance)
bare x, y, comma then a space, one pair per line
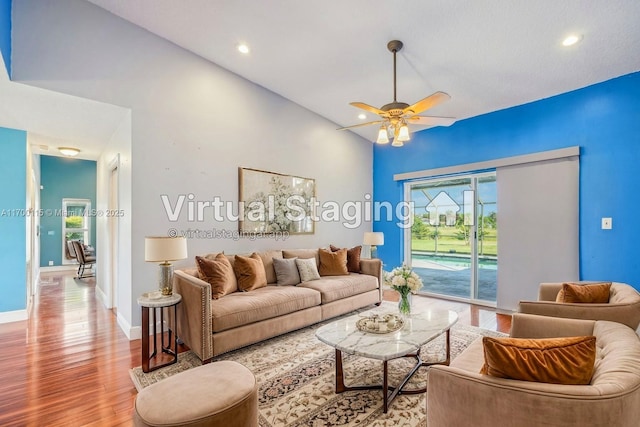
373, 267
532, 326
194, 316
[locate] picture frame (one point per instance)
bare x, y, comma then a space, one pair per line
271, 203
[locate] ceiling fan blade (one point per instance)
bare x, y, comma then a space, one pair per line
426, 103
431, 120
369, 108
361, 124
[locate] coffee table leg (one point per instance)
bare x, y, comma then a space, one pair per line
339, 373
385, 388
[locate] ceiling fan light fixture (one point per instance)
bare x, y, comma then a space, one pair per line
383, 138
397, 143
403, 133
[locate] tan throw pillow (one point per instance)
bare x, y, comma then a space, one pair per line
590, 293
218, 273
552, 360
250, 272
353, 257
307, 269
333, 263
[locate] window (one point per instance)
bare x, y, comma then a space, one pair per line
76, 225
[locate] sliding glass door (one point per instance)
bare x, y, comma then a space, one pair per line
452, 243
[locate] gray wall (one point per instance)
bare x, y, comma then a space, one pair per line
192, 125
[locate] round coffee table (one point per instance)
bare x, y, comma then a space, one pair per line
418, 330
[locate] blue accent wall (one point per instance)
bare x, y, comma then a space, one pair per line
62, 178
13, 202
5, 33
603, 119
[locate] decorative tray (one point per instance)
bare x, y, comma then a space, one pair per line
383, 324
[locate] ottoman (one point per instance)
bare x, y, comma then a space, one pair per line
217, 394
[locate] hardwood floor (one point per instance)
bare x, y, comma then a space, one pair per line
68, 365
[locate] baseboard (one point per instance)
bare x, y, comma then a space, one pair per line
13, 316
132, 332
102, 297
58, 268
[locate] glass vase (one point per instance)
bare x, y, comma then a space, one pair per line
404, 305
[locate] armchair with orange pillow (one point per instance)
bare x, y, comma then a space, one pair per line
613, 301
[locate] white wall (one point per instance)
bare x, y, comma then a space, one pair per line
192, 125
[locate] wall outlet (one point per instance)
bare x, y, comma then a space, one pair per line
607, 223
50, 262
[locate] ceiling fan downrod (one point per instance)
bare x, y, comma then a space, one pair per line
394, 46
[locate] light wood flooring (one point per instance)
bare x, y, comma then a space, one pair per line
68, 365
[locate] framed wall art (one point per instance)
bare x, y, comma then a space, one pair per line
275, 203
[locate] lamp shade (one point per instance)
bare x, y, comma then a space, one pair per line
373, 238
383, 138
160, 249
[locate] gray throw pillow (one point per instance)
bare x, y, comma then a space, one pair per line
286, 271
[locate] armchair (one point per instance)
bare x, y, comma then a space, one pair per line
623, 306
458, 395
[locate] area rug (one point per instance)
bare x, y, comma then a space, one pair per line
296, 376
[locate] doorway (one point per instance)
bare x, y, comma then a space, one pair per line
452, 243
113, 225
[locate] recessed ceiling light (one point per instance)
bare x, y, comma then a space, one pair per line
362, 116
571, 40
69, 151
243, 48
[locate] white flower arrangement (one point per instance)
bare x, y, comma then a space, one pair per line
403, 280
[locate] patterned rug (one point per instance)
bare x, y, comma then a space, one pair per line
296, 376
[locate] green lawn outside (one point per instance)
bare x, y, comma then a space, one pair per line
449, 243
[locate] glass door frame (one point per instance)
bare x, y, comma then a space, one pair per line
407, 239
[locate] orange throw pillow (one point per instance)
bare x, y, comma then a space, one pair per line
591, 293
353, 257
218, 273
333, 263
552, 360
250, 272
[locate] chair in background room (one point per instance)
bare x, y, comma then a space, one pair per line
84, 260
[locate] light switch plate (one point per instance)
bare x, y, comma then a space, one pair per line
607, 223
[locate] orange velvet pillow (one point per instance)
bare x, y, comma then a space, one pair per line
353, 257
218, 273
333, 263
250, 272
590, 293
551, 360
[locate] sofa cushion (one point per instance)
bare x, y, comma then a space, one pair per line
590, 293
333, 288
267, 260
353, 257
333, 263
243, 308
249, 272
566, 360
308, 269
286, 271
302, 254
218, 272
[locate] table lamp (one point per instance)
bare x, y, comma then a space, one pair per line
373, 239
163, 250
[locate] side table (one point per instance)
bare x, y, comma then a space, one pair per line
151, 301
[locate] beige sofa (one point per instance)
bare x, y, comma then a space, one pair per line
623, 306
458, 395
212, 327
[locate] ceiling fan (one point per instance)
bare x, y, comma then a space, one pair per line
395, 116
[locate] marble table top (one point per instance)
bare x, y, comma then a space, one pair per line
418, 329
156, 299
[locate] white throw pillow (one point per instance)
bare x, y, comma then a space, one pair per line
308, 269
